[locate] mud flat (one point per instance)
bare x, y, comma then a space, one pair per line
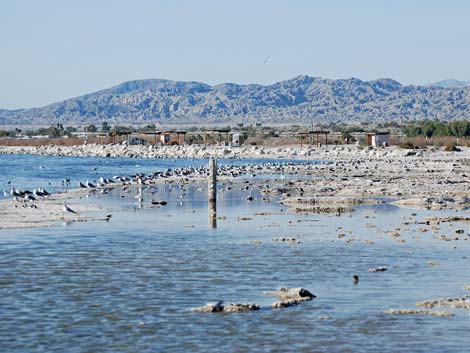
47, 212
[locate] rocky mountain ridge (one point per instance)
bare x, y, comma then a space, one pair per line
300, 99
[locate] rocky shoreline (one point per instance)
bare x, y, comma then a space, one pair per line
348, 176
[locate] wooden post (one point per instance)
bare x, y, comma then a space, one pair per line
212, 193
212, 180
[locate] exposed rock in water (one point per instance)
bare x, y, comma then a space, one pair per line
418, 312
230, 308
433, 202
287, 303
162, 203
330, 200
240, 307
321, 209
448, 219
394, 234
298, 293
458, 303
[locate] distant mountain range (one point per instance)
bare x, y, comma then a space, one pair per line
450, 83
300, 99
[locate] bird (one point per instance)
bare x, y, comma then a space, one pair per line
356, 279
90, 185
68, 209
37, 193
44, 192
30, 197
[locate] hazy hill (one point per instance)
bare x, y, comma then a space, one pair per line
450, 83
302, 98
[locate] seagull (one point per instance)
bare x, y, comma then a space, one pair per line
89, 185
68, 209
37, 193
81, 185
30, 197
14, 193
44, 191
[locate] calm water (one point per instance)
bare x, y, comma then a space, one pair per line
128, 285
26, 171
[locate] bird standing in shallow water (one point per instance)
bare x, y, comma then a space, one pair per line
68, 209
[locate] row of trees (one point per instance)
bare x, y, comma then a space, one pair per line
427, 128
430, 128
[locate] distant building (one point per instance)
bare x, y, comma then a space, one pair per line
378, 139
237, 140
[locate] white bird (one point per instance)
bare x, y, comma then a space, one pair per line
68, 209
44, 191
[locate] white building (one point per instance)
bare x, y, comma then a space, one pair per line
378, 139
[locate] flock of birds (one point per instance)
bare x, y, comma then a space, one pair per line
102, 184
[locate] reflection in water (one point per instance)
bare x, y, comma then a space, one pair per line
212, 213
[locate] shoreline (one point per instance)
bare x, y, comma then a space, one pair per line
423, 179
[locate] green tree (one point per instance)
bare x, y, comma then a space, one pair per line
54, 131
91, 128
105, 127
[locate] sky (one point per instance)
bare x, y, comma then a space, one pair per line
52, 50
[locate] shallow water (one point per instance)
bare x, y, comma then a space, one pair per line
33, 171
128, 285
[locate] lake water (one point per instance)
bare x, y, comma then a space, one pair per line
128, 285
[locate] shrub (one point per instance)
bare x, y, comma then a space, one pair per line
451, 147
407, 145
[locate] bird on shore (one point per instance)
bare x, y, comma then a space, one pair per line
90, 185
102, 182
37, 193
44, 191
68, 209
29, 197
82, 185
14, 193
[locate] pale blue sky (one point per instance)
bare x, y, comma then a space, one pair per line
53, 50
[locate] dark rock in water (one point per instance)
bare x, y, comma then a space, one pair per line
161, 203
230, 308
240, 307
292, 293
287, 303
